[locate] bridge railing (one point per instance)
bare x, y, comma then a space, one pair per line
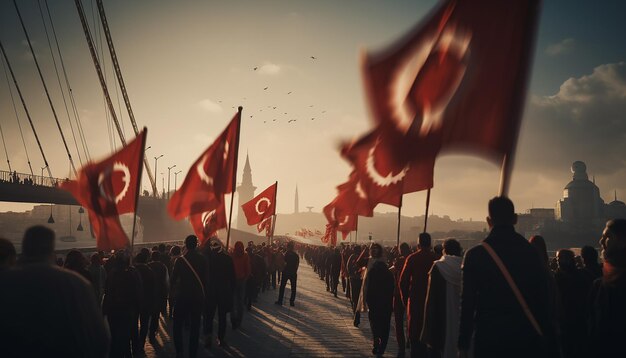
28, 179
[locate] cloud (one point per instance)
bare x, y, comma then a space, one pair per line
269, 68
585, 120
559, 48
210, 106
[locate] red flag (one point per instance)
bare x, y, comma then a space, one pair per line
210, 177
109, 187
330, 236
458, 79
206, 224
266, 225
109, 232
384, 170
340, 219
261, 206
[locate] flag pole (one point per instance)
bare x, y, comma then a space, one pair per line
232, 195
274, 221
138, 189
505, 174
399, 216
427, 206
356, 233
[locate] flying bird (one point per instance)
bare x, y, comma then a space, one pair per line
274, 120
274, 107
255, 68
310, 106
285, 112
250, 116
289, 92
313, 118
313, 57
265, 89
323, 111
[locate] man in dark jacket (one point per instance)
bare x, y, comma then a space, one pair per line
221, 291
335, 270
290, 272
161, 283
608, 312
378, 295
148, 297
47, 311
190, 279
490, 310
413, 286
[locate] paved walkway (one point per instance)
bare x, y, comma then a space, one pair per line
318, 326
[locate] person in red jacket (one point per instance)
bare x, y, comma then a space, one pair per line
413, 286
241, 262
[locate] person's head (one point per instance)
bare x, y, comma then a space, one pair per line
215, 244
122, 259
38, 244
7, 254
142, 257
405, 249
438, 249
75, 260
191, 242
589, 256
155, 256
539, 243
565, 259
95, 259
501, 212
175, 251
357, 250
613, 243
238, 250
376, 251
424, 241
290, 246
451, 247
161, 248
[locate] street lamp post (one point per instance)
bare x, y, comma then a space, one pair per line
156, 193
163, 184
168, 179
175, 177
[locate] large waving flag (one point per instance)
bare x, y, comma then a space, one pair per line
261, 206
386, 167
210, 177
206, 224
457, 81
109, 188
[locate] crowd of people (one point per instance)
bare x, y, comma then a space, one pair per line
110, 305
502, 298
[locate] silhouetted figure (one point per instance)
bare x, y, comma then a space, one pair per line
591, 267
98, 275
8, 257
190, 279
257, 275
335, 270
490, 311
242, 273
413, 286
161, 281
77, 262
398, 306
290, 273
121, 303
174, 253
45, 310
354, 276
148, 297
608, 311
378, 288
443, 302
221, 291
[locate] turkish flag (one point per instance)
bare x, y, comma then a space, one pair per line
210, 177
109, 232
109, 187
457, 81
386, 166
341, 219
265, 225
330, 236
206, 224
261, 206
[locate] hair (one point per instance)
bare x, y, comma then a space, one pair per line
618, 228
616, 254
405, 249
75, 260
501, 211
566, 259
155, 256
191, 242
452, 247
424, 240
539, 243
589, 255
162, 247
380, 250
95, 259
38, 242
175, 250
142, 257
7, 253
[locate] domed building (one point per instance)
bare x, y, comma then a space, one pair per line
581, 205
615, 209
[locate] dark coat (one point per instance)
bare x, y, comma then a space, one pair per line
380, 287
413, 287
292, 261
148, 283
222, 282
184, 282
607, 323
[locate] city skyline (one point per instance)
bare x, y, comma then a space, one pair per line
187, 67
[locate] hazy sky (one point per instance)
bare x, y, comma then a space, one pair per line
188, 64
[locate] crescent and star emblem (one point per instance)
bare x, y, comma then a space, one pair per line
106, 174
258, 204
377, 178
202, 173
207, 217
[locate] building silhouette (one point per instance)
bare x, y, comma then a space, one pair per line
245, 193
296, 204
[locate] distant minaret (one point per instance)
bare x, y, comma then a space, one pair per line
245, 192
296, 204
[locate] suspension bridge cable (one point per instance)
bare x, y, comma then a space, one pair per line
67, 83
30, 120
17, 118
56, 71
45, 87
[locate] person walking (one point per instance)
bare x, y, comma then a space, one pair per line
398, 306
413, 286
190, 278
378, 288
290, 273
221, 291
241, 260
161, 280
505, 298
